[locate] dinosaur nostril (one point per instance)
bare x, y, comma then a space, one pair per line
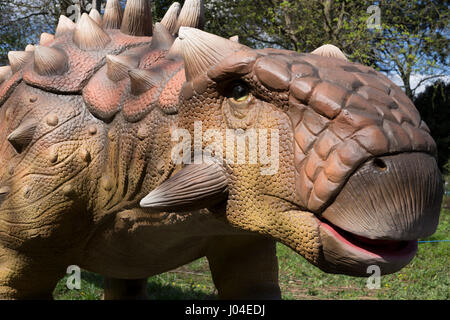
379, 164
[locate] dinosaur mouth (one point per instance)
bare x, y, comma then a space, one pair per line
378, 248
380, 212
347, 253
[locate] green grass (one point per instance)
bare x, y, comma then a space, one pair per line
426, 277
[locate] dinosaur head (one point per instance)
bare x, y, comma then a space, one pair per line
326, 156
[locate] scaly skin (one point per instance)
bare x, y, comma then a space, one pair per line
99, 146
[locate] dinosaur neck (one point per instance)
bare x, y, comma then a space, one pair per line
138, 139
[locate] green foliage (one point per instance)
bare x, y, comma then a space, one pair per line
23, 21
296, 25
434, 107
413, 40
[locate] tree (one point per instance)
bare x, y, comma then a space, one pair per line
19, 20
434, 107
294, 24
413, 40
23, 21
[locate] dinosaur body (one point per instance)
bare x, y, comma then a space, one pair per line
87, 175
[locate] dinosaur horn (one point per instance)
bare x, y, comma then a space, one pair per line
234, 39
5, 73
162, 39
202, 50
112, 18
29, 48
22, 136
137, 18
50, 61
192, 15
143, 80
329, 50
64, 25
89, 35
96, 16
118, 66
195, 186
17, 59
171, 17
175, 50
46, 39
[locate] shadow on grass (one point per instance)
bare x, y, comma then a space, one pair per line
156, 291
92, 278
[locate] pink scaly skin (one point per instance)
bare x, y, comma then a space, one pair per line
87, 177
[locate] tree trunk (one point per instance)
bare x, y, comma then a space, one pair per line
407, 84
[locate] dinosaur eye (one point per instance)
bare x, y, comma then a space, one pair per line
240, 92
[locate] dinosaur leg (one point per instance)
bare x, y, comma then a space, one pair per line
244, 267
27, 278
122, 289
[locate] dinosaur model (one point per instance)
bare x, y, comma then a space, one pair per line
102, 166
